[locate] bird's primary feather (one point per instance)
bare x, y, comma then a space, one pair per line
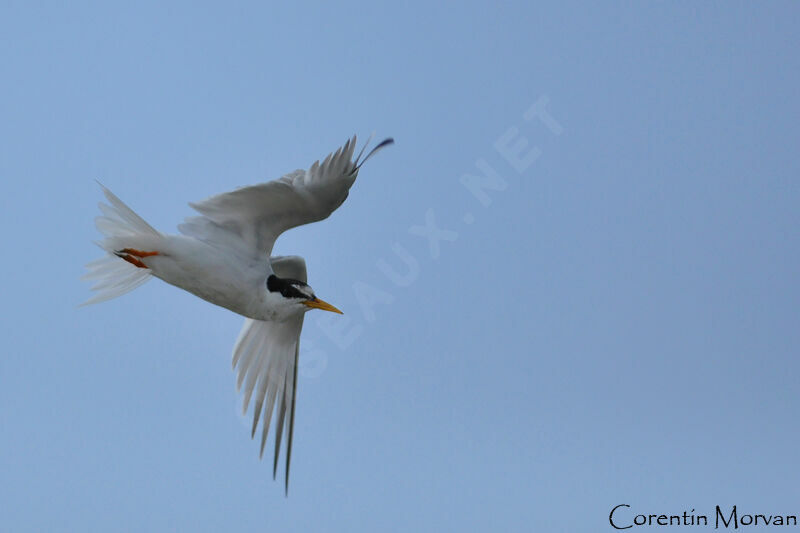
258, 214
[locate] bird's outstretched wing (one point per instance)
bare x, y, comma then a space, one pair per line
258, 214
266, 354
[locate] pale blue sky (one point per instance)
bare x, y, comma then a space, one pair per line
618, 325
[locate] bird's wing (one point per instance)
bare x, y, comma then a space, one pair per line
266, 355
258, 214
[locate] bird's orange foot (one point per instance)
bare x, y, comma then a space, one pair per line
137, 253
130, 255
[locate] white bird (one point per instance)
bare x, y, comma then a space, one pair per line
223, 256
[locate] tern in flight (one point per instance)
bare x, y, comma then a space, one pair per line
224, 256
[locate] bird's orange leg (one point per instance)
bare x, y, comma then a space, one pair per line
137, 253
130, 255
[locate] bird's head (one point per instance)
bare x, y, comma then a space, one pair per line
295, 296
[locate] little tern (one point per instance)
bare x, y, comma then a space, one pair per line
224, 257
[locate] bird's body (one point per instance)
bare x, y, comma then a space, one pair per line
224, 257
224, 278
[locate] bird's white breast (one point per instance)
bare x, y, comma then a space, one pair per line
219, 276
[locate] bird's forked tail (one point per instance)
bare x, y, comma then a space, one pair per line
123, 230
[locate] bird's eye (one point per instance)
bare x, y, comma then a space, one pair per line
288, 288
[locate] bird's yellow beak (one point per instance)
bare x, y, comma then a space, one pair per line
319, 304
